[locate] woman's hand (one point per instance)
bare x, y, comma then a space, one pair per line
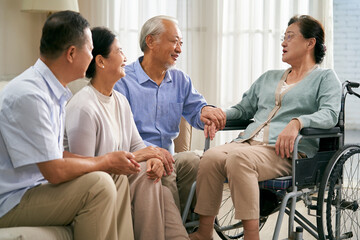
285, 143
154, 169
147, 153
167, 160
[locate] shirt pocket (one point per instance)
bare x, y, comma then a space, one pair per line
174, 115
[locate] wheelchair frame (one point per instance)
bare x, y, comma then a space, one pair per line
300, 189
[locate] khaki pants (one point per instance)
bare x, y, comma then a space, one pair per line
155, 215
184, 175
244, 164
98, 207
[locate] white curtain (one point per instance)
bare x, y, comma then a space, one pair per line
228, 44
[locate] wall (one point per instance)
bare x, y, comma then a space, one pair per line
347, 52
19, 38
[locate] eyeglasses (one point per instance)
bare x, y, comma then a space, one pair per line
287, 37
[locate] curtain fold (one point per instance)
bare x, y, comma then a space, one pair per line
227, 44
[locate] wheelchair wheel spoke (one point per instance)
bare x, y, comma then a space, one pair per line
343, 210
338, 207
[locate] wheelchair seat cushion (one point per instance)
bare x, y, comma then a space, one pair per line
281, 183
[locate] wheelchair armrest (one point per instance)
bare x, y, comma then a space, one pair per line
317, 131
236, 124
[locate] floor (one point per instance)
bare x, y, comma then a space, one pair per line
351, 137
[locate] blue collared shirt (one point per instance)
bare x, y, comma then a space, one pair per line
32, 114
158, 109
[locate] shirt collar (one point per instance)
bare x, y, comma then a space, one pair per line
143, 77
62, 93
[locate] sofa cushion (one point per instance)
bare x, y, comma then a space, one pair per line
38, 233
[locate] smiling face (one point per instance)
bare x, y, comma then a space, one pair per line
295, 46
115, 62
167, 46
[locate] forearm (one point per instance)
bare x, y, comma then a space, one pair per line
66, 169
67, 154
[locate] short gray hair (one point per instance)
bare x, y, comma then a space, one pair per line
154, 26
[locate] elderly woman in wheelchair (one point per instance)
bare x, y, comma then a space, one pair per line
281, 103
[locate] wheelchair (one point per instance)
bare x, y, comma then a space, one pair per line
328, 184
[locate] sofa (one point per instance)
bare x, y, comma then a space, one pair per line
182, 143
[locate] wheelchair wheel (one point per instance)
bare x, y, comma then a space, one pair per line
339, 196
226, 226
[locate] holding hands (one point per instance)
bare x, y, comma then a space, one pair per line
214, 119
150, 153
147, 153
214, 115
167, 160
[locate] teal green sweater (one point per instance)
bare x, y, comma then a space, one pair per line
314, 101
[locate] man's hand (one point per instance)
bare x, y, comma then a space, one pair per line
154, 169
121, 162
210, 130
211, 114
285, 143
147, 153
168, 161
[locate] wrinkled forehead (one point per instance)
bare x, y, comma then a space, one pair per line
172, 29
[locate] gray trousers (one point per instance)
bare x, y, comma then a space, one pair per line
180, 181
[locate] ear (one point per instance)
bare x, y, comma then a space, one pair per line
71, 53
150, 40
311, 43
99, 61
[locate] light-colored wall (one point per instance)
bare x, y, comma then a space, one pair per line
347, 53
20, 34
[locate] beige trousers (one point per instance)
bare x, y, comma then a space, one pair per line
155, 215
244, 164
184, 175
98, 207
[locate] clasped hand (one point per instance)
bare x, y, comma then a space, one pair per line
159, 153
214, 120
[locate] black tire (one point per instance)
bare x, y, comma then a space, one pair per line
339, 196
226, 226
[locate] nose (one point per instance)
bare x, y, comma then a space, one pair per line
178, 48
283, 43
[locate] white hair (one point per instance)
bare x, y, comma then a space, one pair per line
154, 26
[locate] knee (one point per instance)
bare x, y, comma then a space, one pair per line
103, 184
187, 161
210, 160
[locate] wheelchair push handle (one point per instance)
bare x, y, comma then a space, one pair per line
353, 84
349, 85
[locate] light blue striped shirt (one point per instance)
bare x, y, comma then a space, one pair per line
32, 113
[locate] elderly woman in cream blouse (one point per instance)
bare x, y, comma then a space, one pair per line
99, 120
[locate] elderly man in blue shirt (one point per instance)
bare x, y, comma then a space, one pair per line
159, 95
40, 183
